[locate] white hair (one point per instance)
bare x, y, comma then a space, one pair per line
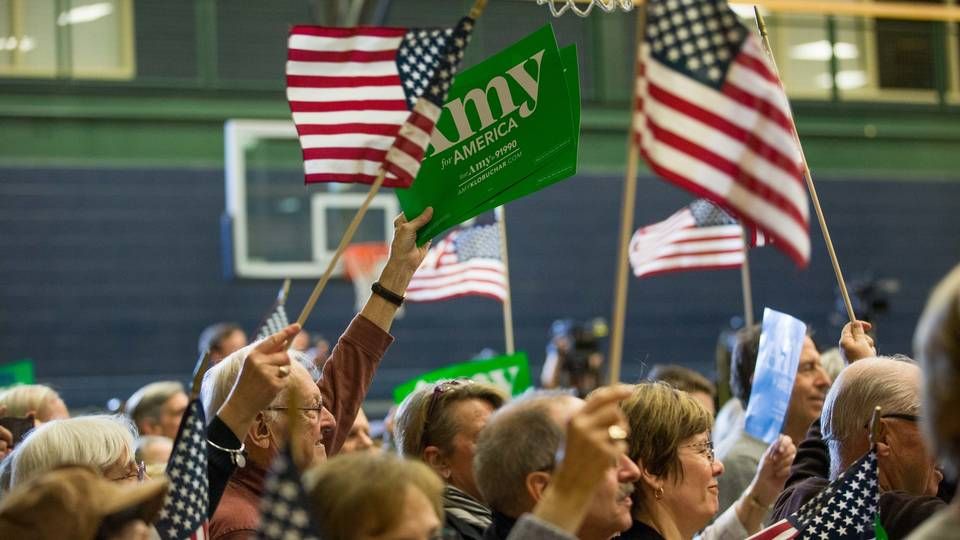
100, 441
23, 399
219, 380
880, 381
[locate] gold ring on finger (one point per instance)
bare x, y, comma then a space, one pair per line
616, 433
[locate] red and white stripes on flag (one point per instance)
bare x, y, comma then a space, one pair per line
712, 117
698, 237
366, 99
466, 262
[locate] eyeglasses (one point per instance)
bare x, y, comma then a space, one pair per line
311, 413
438, 390
902, 416
139, 474
899, 416
705, 449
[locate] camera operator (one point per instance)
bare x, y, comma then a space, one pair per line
573, 358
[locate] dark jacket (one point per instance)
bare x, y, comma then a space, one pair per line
500, 528
900, 512
640, 531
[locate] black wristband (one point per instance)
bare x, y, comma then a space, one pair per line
386, 294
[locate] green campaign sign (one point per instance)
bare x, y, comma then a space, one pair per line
511, 119
566, 164
511, 373
20, 372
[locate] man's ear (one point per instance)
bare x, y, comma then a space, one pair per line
433, 457
884, 435
536, 483
260, 433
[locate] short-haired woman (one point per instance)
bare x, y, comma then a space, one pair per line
677, 494
366, 495
41, 401
103, 442
438, 424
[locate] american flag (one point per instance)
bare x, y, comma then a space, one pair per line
284, 513
699, 237
276, 319
185, 508
466, 262
846, 510
368, 98
712, 118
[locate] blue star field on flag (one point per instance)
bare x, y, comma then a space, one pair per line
185, 508
417, 61
283, 507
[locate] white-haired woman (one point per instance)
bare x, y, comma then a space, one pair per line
41, 401
103, 442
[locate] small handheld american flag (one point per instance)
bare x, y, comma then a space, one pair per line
699, 237
275, 319
366, 99
185, 509
284, 512
847, 509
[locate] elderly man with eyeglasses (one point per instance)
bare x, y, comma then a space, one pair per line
328, 406
907, 473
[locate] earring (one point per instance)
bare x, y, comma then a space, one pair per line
658, 493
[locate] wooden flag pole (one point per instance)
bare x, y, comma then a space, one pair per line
475, 12
203, 364
807, 175
344, 243
626, 224
508, 301
745, 280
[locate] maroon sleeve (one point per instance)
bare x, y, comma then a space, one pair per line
347, 375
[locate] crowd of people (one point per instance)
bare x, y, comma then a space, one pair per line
652, 460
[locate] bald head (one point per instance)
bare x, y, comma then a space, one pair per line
892, 383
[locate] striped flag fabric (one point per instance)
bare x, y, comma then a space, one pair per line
276, 319
847, 509
712, 117
466, 262
185, 511
365, 99
701, 236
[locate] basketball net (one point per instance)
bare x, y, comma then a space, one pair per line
605, 5
363, 263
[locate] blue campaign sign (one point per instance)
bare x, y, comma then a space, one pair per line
781, 340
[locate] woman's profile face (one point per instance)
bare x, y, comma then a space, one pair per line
694, 494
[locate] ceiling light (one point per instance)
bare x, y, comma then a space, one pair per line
820, 50
846, 80
83, 14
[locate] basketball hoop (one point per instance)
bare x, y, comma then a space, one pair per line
605, 5
363, 263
